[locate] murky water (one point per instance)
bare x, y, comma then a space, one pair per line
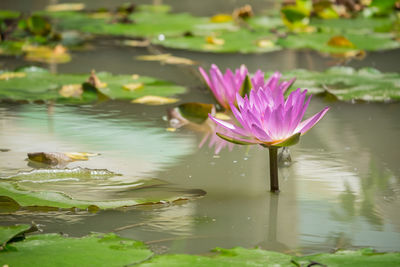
341, 191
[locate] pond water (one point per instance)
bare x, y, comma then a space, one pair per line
342, 189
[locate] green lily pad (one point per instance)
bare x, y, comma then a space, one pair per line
9, 232
80, 187
9, 14
93, 250
319, 41
243, 41
354, 25
348, 84
226, 257
146, 22
359, 258
9, 47
38, 84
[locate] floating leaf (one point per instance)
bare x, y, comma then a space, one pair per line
65, 7
9, 232
71, 90
221, 18
47, 54
11, 75
340, 41
133, 86
9, 14
347, 258
145, 25
38, 25
214, 40
136, 43
319, 42
167, 59
56, 250
154, 100
41, 85
348, 84
224, 257
265, 43
243, 41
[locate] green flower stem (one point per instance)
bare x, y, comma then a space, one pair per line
273, 169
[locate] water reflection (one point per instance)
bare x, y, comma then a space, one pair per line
139, 144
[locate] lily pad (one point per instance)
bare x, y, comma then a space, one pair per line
348, 84
39, 84
80, 187
243, 41
226, 257
9, 232
320, 41
147, 22
346, 258
57, 250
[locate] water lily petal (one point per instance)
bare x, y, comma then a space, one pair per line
310, 122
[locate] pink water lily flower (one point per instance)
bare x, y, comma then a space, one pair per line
268, 119
225, 86
273, 84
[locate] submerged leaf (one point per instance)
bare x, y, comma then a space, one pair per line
154, 100
80, 187
195, 112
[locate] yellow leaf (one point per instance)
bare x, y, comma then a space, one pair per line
167, 58
135, 76
154, 100
214, 40
65, 7
132, 86
100, 15
264, 43
136, 43
222, 116
47, 54
11, 75
80, 155
71, 90
220, 18
340, 41
171, 129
